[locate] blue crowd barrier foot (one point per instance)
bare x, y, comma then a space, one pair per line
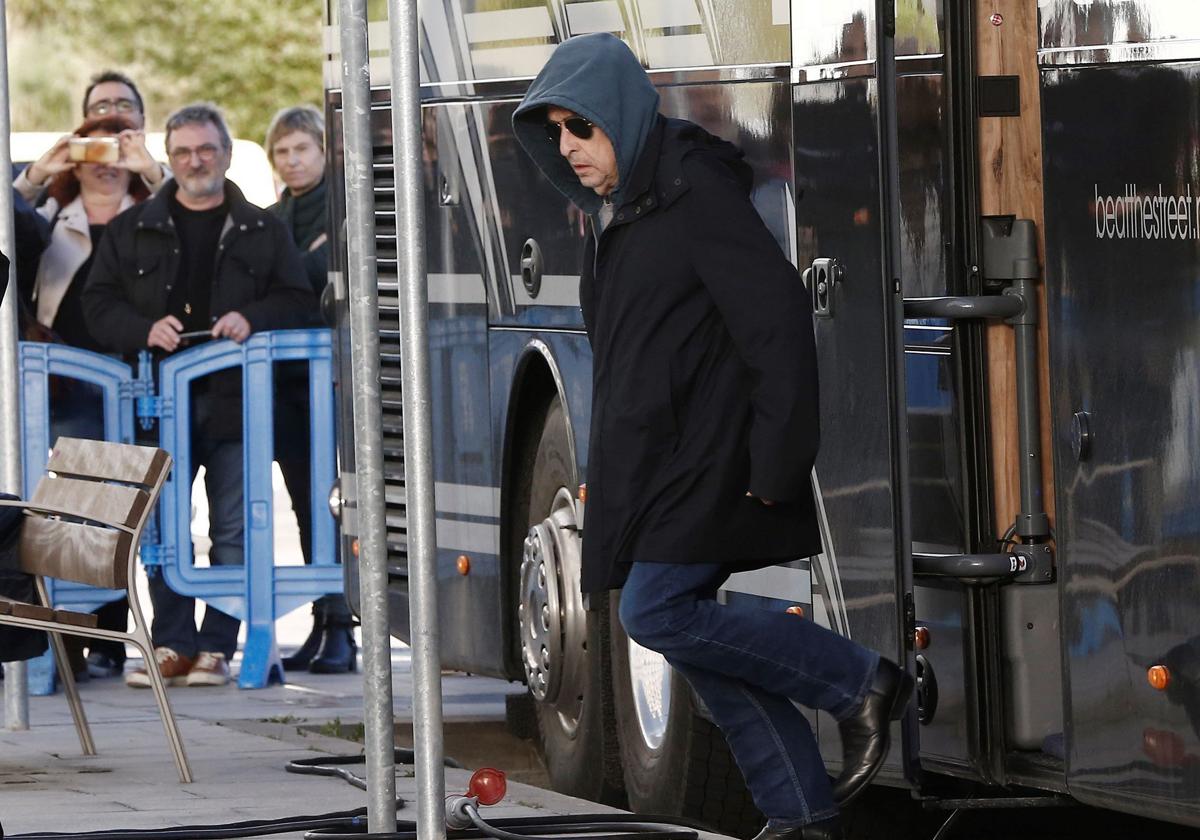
261, 663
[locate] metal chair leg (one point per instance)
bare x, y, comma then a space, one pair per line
68, 679
72, 692
141, 640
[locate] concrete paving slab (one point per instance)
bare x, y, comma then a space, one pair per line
239, 743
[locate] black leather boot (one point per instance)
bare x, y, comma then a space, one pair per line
338, 653
302, 658
823, 830
866, 735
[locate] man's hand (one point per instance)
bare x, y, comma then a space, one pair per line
55, 160
164, 334
318, 242
232, 325
136, 158
766, 502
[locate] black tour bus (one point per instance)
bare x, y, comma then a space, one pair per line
996, 207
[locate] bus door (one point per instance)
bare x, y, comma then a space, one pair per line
844, 132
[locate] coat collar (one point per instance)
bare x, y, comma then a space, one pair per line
316, 195
74, 216
157, 214
658, 179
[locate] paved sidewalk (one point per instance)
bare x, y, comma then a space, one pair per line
238, 743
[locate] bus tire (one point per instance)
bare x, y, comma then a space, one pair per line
563, 647
675, 760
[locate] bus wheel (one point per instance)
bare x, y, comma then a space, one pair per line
562, 645
675, 760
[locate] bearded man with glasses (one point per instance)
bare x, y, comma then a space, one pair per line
198, 261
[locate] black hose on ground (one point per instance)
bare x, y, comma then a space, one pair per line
329, 765
595, 826
352, 825
340, 820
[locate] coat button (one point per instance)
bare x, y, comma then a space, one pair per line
678, 181
243, 227
620, 216
141, 271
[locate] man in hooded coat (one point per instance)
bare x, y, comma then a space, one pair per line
704, 428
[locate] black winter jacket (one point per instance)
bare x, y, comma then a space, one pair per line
258, 272
306, 218
704, 372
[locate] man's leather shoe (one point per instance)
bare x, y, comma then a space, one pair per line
824, 830
866, 734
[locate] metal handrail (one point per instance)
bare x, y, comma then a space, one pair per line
964, 307
966, 568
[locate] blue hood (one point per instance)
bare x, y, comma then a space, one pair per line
599, 78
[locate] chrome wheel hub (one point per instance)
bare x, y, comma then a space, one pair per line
650, 677
553, 626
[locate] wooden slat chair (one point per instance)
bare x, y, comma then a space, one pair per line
83, 524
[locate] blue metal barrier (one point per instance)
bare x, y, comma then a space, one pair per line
259, 591
38, 362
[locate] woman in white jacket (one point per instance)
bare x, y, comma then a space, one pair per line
81, 198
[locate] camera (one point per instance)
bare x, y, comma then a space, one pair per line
94, 149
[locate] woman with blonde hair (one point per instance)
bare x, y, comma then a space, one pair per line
295, 144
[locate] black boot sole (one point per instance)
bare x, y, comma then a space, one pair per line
316, 668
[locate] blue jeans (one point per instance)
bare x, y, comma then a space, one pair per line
748, 665
174, 623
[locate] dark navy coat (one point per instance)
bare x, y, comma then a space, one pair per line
705, 377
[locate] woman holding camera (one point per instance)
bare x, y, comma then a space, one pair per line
88, 178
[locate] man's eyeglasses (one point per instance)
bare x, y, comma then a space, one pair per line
578, 126
207, 154
103, 107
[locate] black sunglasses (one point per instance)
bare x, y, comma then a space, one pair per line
578, 126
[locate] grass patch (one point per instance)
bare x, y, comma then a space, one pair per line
281, 719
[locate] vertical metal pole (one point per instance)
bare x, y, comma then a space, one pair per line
418, 419
1032, 522
368, 418
16, 686
16, 695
